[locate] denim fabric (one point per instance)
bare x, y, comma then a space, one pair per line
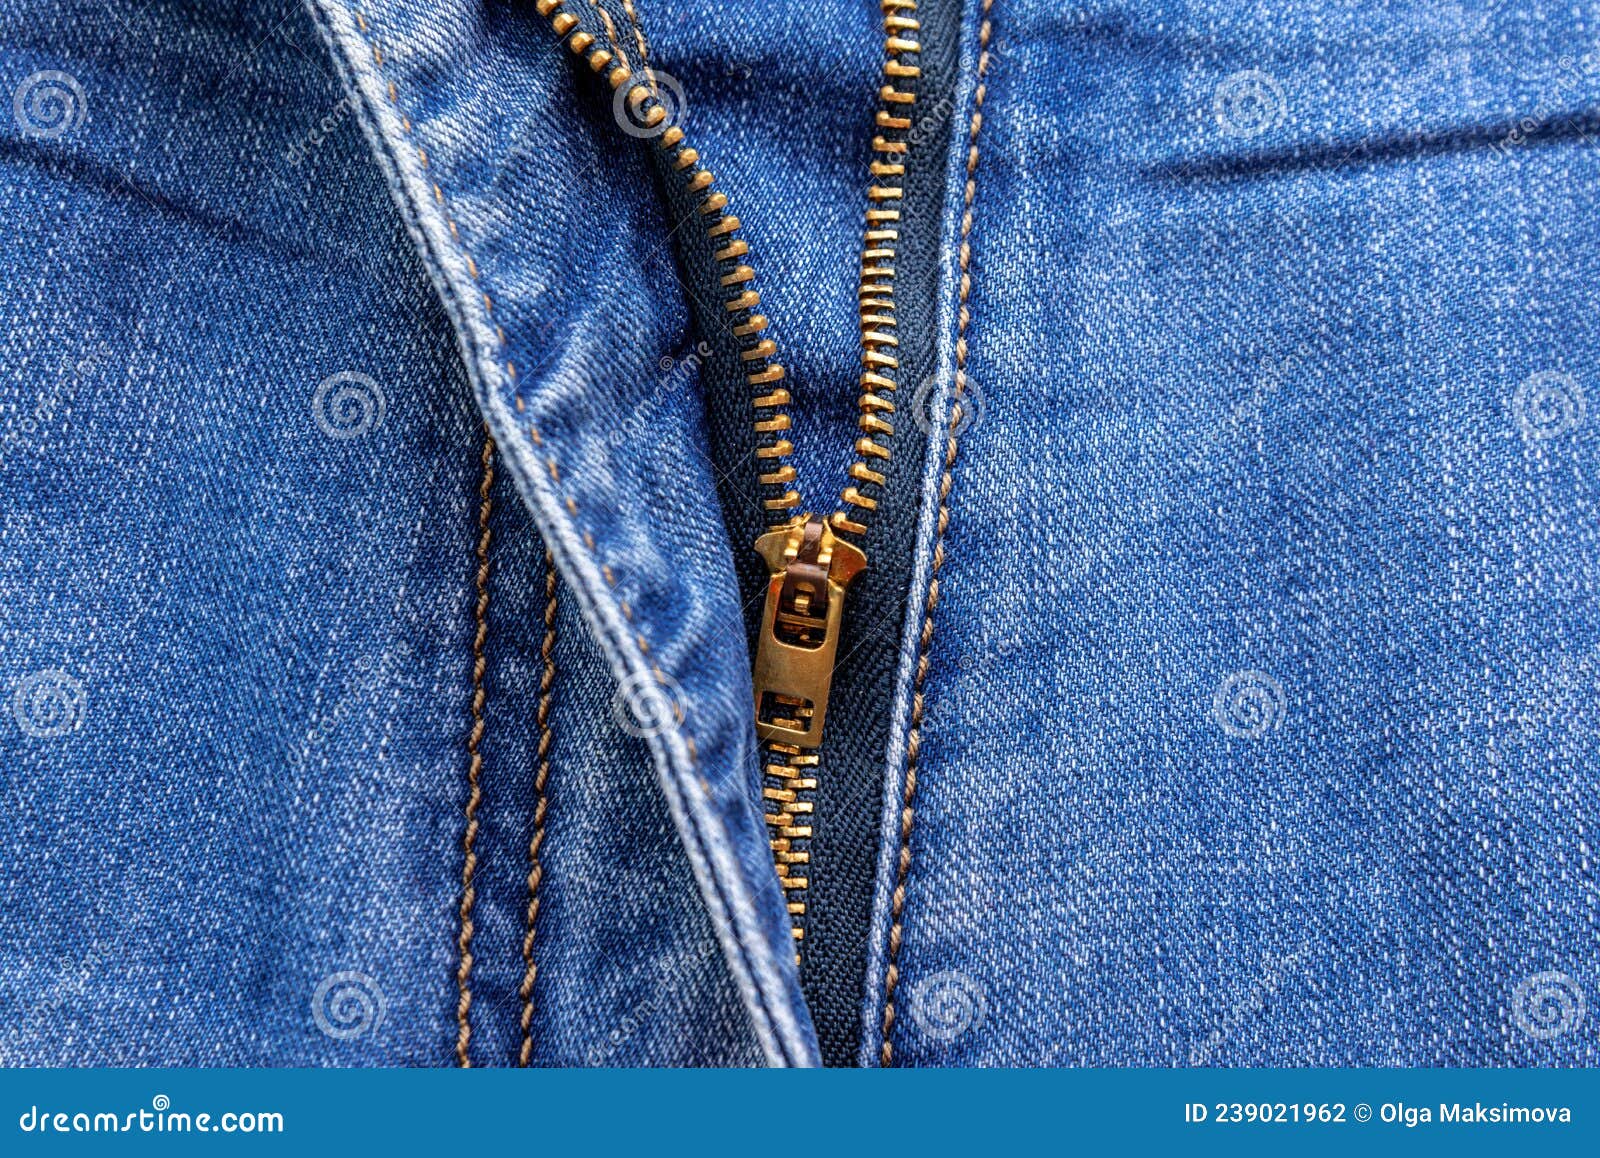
470, 114
237, 603
1261, 710
1256, 723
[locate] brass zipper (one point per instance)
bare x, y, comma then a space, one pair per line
811, 560
809, 571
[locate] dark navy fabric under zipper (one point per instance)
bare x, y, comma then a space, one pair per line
843, 825
829, 852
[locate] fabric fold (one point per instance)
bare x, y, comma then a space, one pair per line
539, 225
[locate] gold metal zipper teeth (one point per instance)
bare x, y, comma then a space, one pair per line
809, 572
880, 361
783, 675
789, 787
811, 564
758, 360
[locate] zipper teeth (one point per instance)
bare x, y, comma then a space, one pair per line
790, 771
880, 365
789, 790
763, 373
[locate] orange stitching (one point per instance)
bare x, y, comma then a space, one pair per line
914, 740
605, 18
469, 865
686, 157
535, 866
644, 45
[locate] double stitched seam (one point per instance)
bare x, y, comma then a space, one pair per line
469, 862
914, 739
564, 23
547, 677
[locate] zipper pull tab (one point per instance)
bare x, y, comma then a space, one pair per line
810, 570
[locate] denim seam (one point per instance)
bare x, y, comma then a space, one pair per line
611, 34
469, 838
541, 779
931, 599
775, 1025
644, 45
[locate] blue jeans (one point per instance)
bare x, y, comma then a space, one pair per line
392, 395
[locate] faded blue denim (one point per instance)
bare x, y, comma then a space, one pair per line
1257, 724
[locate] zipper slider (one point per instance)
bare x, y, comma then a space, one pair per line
810, 569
